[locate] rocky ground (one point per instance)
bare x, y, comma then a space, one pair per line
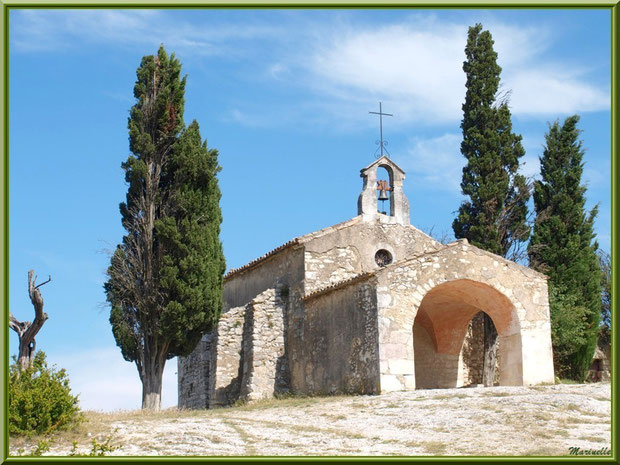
506, 421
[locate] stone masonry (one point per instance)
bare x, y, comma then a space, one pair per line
367, 306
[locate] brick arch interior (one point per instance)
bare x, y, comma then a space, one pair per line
441, 324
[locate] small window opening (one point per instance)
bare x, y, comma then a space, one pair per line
383, 257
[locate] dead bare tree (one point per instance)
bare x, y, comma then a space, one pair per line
26, 331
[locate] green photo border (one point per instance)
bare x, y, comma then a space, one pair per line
7, 5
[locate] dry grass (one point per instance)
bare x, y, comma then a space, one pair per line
545, 452
434, 447
95, 425
595, 439
496, 394
543, 416
457, 422
448, 396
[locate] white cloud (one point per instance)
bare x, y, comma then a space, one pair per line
106, 382
418, 69
414, 66
553, 92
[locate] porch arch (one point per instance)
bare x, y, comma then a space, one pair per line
462, 280
440, 326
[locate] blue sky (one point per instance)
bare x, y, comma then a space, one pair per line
284, 95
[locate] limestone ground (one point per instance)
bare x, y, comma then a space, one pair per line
509, 421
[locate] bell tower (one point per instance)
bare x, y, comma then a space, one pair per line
390, 190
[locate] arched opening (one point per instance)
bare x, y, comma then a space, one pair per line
385, 184
446, 336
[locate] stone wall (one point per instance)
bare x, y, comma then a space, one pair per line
265, 367
471, 357
433, 370
194, 374
284, 267
600, 369
339, 341
425, 363
244, 358
227, 378
329, 267
350, 250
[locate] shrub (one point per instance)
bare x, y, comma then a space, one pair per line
40, 399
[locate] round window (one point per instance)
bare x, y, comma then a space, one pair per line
383, 257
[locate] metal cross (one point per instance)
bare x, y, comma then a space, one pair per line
381, 115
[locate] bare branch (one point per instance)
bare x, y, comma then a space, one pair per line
16, 325
45, 282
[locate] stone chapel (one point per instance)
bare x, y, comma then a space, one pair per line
367, 306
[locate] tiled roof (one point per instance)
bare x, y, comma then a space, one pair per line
297, 240
286, 245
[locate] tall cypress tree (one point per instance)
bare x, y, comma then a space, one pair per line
563, 246
494, 217
165, 278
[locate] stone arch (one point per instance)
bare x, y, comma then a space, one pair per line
441, 323
514, 296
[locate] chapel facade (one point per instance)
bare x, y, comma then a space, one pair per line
367, 306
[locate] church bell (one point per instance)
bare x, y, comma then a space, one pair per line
382, 187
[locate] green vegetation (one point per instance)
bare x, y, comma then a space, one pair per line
41, 448
563, 247
40, 399
97, 449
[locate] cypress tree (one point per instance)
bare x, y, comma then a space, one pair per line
494, 217
165, 278
563, 247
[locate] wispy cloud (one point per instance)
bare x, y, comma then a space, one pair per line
44, 30
435, 163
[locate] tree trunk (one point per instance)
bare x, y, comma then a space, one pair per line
490, 351
152, 374
26, 331
151, 391
26, 353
